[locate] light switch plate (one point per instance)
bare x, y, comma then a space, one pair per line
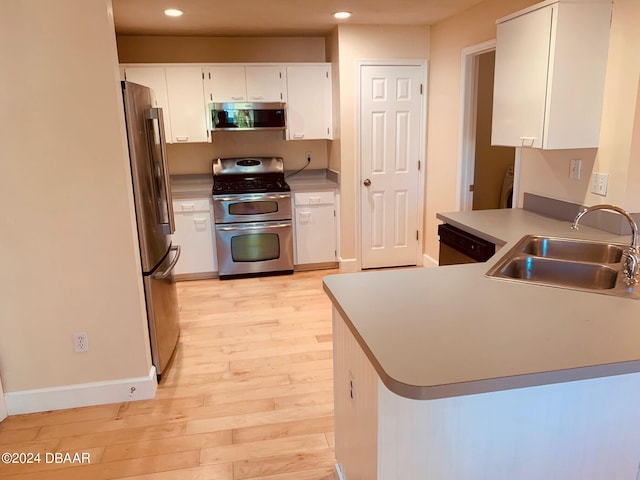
599, 183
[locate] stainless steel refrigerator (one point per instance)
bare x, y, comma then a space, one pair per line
154, 214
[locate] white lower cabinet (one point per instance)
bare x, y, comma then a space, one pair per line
314, 227
195, 235
571, 430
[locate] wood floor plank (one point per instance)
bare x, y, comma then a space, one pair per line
248, 396
206, 472
271, 431
259, 418
182, 443
290, 463
263, 449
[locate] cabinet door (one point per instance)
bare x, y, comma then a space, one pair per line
155, 79
520, 85
194, 234
309, 102
225, 84
315, 227
186, 104
264, 83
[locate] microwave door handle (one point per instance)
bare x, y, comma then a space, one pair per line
155, 115
167, 272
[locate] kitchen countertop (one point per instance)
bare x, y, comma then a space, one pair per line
448, 331
309, 180
199, 185
191, 185
509, 225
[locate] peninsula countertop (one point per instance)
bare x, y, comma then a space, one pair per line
448, 331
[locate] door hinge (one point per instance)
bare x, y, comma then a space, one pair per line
203, 75
421, 89
417, 235
471, 188
419, 165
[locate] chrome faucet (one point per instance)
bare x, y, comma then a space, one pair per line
631, 254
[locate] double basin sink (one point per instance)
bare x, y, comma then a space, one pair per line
566, 263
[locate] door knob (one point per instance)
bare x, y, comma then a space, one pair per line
367, 182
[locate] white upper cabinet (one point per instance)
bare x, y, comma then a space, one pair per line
549, 75
155, 79
186, 104
251, 83
309, 102
225, 84
265, 83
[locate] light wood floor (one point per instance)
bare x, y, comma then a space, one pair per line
249, 396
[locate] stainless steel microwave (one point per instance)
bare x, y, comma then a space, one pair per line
247, 116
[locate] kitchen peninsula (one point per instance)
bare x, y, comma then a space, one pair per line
442, 373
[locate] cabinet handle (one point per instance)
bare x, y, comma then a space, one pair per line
298, 135
260, 97
200, 224
314, 200
304, 217
182, 139
527, 141
237, 98
187, 207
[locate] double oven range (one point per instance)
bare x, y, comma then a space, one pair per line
252, 211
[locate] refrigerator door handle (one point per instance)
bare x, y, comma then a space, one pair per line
155, 114
167, 272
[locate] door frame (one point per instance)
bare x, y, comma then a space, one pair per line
423, 64
467, 130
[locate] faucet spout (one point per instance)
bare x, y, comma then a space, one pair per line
631, 254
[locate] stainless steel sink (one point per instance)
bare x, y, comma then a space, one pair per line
566, 263
575, 250
557, 272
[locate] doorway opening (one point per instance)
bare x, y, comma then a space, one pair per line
487, 172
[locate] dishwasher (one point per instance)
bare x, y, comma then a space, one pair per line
458, 246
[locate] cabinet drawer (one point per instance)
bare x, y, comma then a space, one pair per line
191, 205
314, 198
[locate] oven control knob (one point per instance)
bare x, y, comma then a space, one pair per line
367, 182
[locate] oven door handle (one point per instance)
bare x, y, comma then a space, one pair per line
253, 227
257, 197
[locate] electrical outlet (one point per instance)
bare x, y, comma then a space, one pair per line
80, 342
599, 182
307, 155
575, 169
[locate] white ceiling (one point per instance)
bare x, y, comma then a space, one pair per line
273, 17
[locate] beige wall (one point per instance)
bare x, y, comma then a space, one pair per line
448, 38
355, 43
70, 261
547, 173
170, 49
197, 157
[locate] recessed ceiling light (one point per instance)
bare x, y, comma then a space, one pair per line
342, 15
173, 12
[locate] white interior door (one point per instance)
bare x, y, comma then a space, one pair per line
391, 106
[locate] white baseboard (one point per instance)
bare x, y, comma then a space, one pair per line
339, 472
428, 262
348, 265
82, 395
